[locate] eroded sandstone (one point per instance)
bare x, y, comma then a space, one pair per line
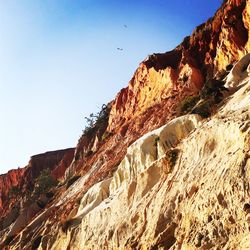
146, 178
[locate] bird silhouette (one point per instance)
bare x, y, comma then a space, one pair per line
119, 48
125, 26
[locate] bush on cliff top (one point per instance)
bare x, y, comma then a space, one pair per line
94, 121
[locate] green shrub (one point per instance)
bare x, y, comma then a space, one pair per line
44, 182
95, 121
187, 104
210, 94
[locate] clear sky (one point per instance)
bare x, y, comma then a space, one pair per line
59, 62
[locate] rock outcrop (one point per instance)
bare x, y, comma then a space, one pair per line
12, 178
24, 178
57, 161
238, 72
144, 177
213, 46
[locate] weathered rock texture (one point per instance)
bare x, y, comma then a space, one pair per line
200, 201
213, 45
145, 178
12, 178
23, 178
161, 82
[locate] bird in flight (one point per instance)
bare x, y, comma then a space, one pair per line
119, 48
125, 26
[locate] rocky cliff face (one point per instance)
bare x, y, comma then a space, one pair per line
162, 81
213, 45
145, 177
57, 161
23, 178
12, 178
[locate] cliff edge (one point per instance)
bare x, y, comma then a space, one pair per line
165, 165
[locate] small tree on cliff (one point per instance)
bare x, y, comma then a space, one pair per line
44, 182
95, 121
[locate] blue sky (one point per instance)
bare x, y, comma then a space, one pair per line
59, 62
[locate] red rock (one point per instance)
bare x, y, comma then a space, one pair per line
162, 81
12, 178
151, 99
56, 161
59, 171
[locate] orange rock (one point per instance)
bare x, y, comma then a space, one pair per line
151, 99
162, 81
12, 178
59, 171
56, 161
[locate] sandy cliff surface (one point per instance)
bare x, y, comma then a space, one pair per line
147, 177
201, 200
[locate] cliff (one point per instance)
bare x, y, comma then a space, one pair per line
23, 179
213, 46
12, 178
145, 176
161, 82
